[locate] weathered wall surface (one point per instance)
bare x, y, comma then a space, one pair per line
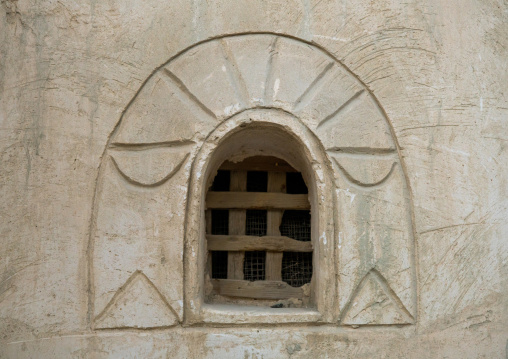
68, 70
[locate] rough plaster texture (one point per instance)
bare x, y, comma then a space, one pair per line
423, 248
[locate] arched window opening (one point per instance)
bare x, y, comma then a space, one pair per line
258, 234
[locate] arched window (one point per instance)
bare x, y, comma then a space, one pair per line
258, 234
260, 225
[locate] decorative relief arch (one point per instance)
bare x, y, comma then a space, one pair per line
146, 221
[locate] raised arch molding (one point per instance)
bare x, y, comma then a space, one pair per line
141, 189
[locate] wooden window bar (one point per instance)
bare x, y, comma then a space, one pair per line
238, 182
259, 200
263, 289
254, 243
276, 185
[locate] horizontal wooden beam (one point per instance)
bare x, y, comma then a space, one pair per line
261, 289
253, 243
259, 163
256, 200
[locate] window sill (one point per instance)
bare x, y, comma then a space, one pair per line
239, 314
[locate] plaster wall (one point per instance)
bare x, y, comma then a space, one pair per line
70, 71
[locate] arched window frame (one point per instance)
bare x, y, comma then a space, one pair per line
317, 172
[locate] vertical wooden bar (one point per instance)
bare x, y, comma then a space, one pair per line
237, 217
276, 183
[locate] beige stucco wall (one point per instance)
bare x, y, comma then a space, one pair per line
68, 70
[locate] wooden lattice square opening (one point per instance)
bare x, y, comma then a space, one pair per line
259, 234
254, 265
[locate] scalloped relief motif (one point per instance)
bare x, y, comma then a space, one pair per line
142, 189
148, 168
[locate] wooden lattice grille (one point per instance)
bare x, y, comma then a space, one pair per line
248, 205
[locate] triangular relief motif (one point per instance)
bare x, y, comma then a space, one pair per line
137, 304
375, 303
